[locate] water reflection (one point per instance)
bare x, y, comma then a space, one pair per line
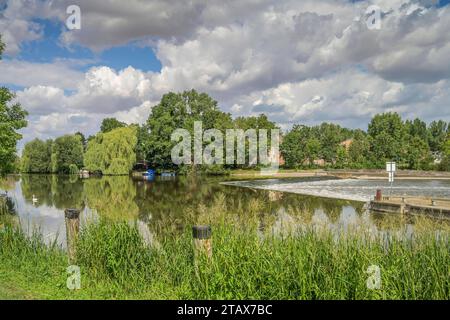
171, 201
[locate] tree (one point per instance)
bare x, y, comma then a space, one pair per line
66, 151
445, 163
109, 124
313, 147
388, 138
258, 123
83, 139
143, 135
417, 128
12, 119
341, 157
112, 153
418, 156
359, 150
330, 135
180, 111
293, 146
36, 156
437, 135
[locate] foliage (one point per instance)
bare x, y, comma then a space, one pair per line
109, 124
73, 169
388, 135
12, 119
36, 156
412, 144
180, 111
293, 147
112, 153
66, 151
437, 135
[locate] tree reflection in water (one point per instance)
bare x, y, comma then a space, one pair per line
171, 204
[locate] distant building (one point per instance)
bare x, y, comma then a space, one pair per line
347, 143
437, 157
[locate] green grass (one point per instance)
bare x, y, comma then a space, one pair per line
304, 263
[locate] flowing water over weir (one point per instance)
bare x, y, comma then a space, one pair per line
352, 189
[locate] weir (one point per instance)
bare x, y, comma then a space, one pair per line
412, 205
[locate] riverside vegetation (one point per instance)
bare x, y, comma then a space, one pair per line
254, 257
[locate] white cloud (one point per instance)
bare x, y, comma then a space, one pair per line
306, 61
22, 73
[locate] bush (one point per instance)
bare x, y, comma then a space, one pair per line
73, 169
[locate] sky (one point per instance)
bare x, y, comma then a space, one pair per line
304, 62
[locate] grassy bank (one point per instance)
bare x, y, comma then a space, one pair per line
291, 262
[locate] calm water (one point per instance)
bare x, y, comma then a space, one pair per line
147, 202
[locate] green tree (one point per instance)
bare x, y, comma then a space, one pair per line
256, 123
437, 135
330, 135
109, 124
417, 128
180, 111
293, 146
419, 155
112, 153
341, 157
313, 148
12, 119
66, 151
445, 163
36, 156
359, 150
388, 138
143, 135
83, 139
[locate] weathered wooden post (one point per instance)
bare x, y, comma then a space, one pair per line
3, 205
72, 218
379, 196
202, 240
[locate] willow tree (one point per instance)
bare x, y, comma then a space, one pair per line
112, 153
36, 156
67, 151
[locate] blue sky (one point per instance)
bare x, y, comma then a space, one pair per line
303, 61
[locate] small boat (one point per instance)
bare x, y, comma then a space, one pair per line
149, 172
34, 199
167, 174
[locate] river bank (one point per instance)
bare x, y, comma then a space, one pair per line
372, 174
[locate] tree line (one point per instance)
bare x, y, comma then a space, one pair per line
117, 147
412, 144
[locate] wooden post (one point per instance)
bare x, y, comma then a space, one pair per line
72, 217
3, 205
378, 197
202, 240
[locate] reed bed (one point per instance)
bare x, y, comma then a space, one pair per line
290, 261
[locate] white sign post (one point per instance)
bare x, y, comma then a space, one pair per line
391, 167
